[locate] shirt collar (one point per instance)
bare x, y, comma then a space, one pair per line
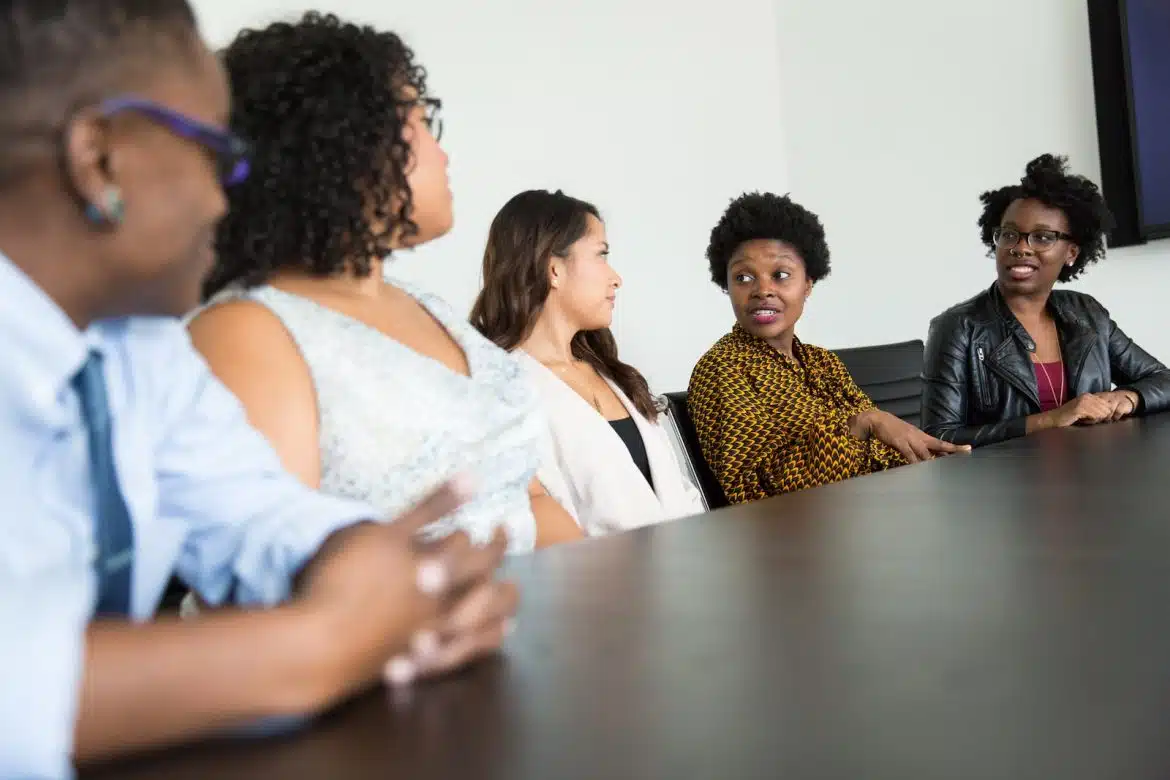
43, 349
765, 349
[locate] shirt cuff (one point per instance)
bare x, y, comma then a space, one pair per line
264, 572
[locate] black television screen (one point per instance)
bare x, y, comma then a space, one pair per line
1146, 33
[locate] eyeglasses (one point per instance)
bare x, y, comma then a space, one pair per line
231, 152
431, 118
1038, 240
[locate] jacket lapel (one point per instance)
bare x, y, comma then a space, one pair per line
1010, 359
1076, 344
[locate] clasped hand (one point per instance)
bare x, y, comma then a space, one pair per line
406, 608
1093, 408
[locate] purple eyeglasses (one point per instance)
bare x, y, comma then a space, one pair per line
231, 151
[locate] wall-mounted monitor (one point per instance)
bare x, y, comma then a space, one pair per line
1145, 27
1131, 80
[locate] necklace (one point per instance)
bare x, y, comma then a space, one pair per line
1051, 385
563, 368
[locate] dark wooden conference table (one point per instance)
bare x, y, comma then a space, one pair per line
1000, 615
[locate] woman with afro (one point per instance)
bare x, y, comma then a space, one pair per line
365, 386
1021, 357
774, 414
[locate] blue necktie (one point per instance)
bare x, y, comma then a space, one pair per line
114, 532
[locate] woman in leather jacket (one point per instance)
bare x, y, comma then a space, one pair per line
1020, 357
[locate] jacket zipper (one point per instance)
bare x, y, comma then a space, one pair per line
982, 379
1028, 392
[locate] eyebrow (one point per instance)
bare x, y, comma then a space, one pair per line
789, 257
1039, 226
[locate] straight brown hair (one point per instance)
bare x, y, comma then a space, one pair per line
531, 229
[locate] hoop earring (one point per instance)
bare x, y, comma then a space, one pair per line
110, 211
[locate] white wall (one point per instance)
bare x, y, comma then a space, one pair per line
899, 113
887, 119
658, 111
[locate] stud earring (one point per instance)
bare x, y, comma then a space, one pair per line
111, 209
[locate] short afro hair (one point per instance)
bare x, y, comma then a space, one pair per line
58, 56
324, 104
757, 215
1047, 180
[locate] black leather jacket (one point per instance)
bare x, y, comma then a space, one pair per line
978, 377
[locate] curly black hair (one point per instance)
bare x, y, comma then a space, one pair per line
757, 215
324, 103
1047, 180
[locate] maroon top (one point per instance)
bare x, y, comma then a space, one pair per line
1050, 384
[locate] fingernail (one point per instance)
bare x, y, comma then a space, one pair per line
424, 644
399, 672
431, 578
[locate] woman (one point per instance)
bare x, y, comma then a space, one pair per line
549, 294
774, 414
383, 390
1020, 357
125, 461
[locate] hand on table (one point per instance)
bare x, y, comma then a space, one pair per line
399, 608
1122, 402
1093, 408
913, 444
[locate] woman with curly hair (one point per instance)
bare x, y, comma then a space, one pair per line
366, 386
774, 414
1020, 357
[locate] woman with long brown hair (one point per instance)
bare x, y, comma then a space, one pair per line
548, 296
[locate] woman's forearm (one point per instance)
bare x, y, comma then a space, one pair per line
170, 680
553, 524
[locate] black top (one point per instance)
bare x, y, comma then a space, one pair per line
628, 430
996, 615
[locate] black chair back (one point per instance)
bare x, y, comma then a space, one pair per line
707, 483
891, 375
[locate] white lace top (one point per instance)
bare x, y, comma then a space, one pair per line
394, 424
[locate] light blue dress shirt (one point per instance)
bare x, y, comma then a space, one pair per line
207, 495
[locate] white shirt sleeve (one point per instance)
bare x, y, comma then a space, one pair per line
43, 619
251, 524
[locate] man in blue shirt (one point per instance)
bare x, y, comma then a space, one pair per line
122, 460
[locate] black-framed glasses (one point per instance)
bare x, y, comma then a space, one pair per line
231, 152
1038, 240
431, 118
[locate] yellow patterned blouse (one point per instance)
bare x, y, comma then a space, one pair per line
769, 424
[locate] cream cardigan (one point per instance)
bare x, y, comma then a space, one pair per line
607, 490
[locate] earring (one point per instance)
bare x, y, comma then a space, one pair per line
111, 209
